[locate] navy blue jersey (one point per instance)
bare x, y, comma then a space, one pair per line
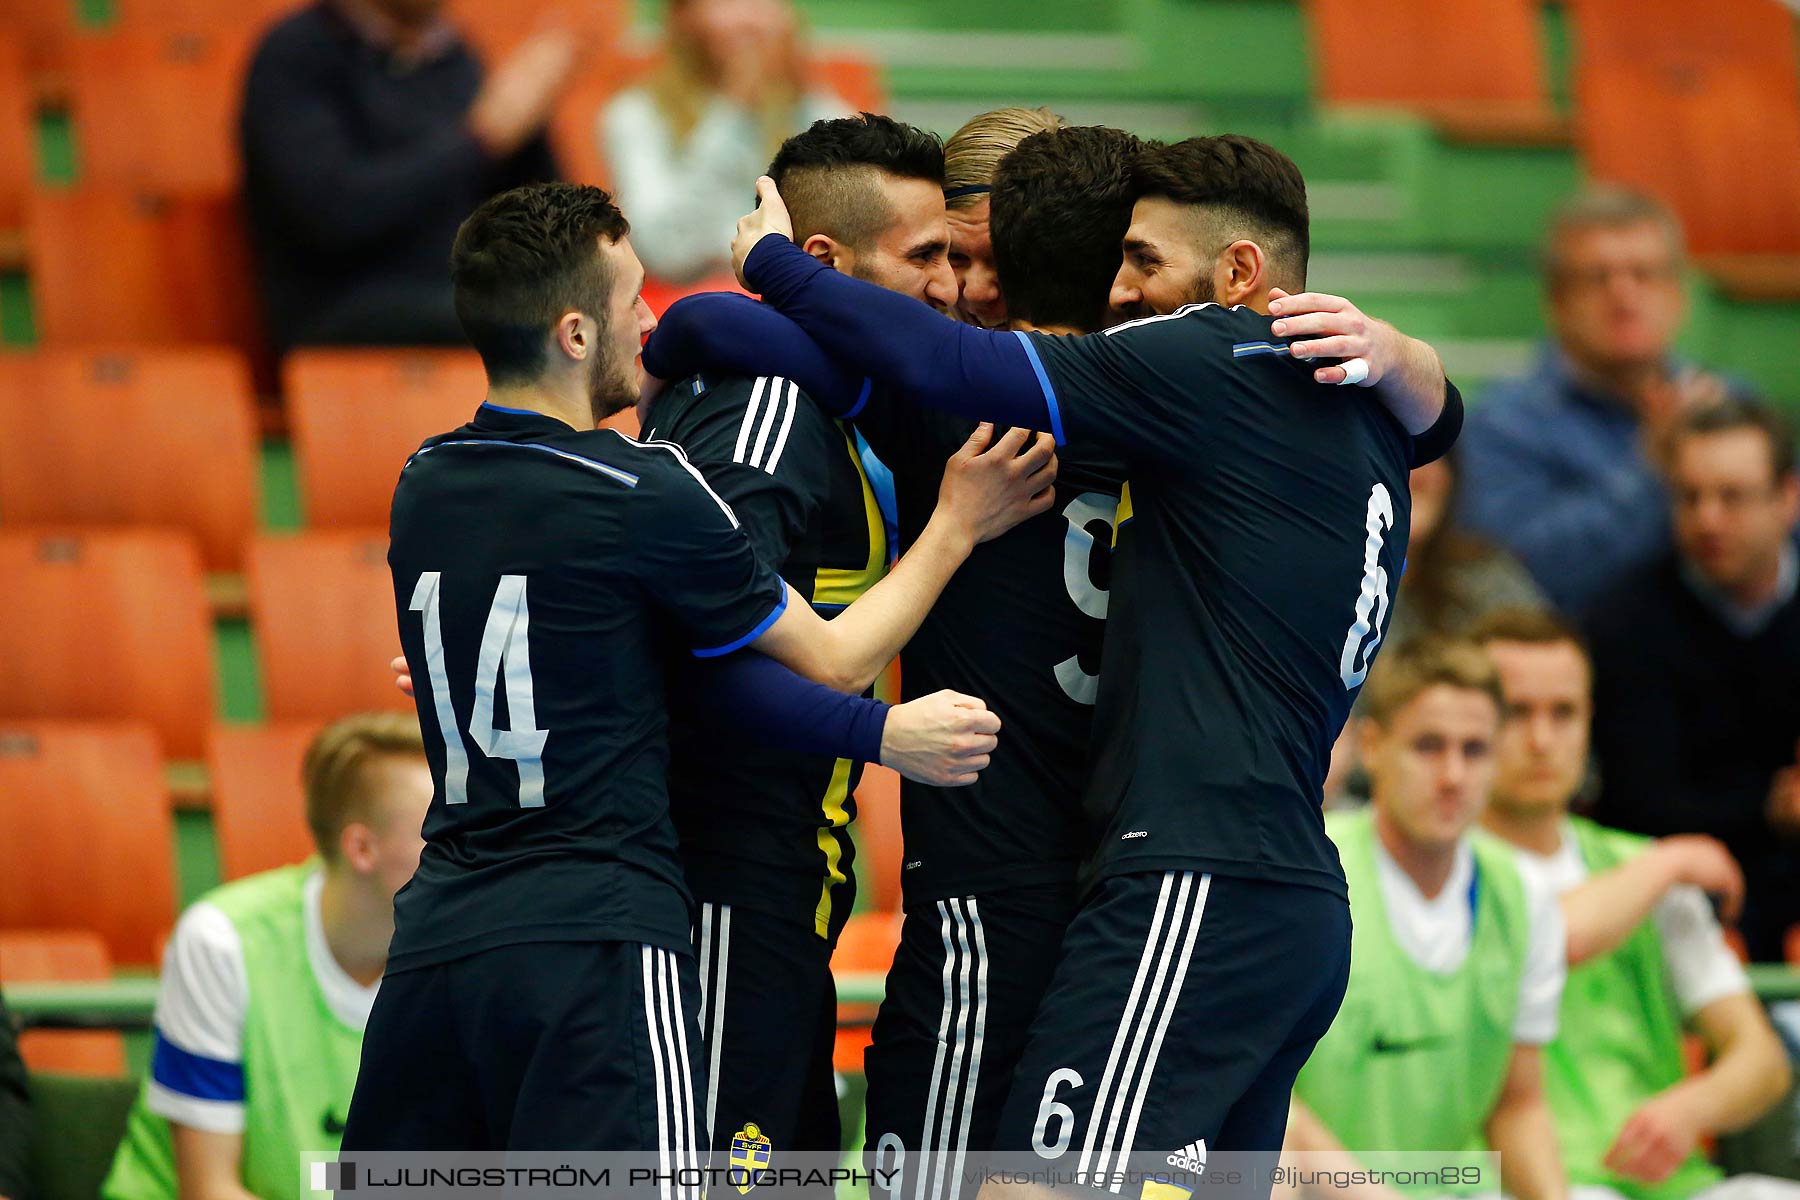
1020, 625
1261, 536
760, 827
533, 565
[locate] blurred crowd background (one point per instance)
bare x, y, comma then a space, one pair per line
225, 321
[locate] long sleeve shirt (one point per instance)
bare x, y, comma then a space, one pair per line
1553, 471
358, 169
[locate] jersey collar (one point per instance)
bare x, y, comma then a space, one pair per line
515, 420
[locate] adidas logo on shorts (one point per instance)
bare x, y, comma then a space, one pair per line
1191, 1159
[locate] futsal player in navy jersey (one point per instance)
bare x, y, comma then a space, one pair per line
989, 878
1260, 538
541, 989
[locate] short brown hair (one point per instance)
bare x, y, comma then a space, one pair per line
1248, 189
973, 153
1605, 206
522, 260
1062, 203
1740, 412
1424, 663
1528, 627
334, 771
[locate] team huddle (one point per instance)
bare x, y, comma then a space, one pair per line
1131, 638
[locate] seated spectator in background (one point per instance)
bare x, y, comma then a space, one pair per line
267, 983
971, 157
1456, 959
1452, 576
684, 149
15, 1116
1697, 664
1562, 466
1628, 1115
369, 133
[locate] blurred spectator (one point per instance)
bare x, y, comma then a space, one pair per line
15, 1116
1562, 465
369, 133
1697, 663
1629, 1115
1456, 959
1452, 576
971, 157
267, 983
685, 148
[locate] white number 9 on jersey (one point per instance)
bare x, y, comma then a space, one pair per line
1372, 600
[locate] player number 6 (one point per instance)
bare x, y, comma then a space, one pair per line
1052, 1107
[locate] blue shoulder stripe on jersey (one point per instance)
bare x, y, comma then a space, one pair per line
1247, 349
611, 472
517, 412
1056, 425
761, 628
190, 1074
862, 399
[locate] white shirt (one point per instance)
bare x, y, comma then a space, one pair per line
1701, 967
1436, 932
684, 199
197, 1073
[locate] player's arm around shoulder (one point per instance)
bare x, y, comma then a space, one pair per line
1407, 373
987, 489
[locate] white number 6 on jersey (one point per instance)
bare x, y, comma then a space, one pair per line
1372, 600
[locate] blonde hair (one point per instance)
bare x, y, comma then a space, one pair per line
333, 772
973, 153
682, 87
1422, 664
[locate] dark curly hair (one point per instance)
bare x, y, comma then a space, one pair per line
1060, 207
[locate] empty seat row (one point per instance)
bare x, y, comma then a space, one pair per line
115, 625
168, 437
1696, 104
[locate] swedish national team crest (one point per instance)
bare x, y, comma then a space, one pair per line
750, 1155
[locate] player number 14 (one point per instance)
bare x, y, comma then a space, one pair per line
505, 650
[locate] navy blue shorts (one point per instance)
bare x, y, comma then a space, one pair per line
1181, 1010
965, 985
536, 1046
769, 1015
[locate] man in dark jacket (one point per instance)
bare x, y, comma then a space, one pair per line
369, 133
1697, 663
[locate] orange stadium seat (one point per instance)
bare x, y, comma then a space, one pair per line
18, 135
867, 944
879, 852
62, 956
198, 16
1701, 107
258, 805
187, 416
43, 28
107, 626
114, 265
494, 27
1477, 65
158, 109
322, 608
357, 415
89, 833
